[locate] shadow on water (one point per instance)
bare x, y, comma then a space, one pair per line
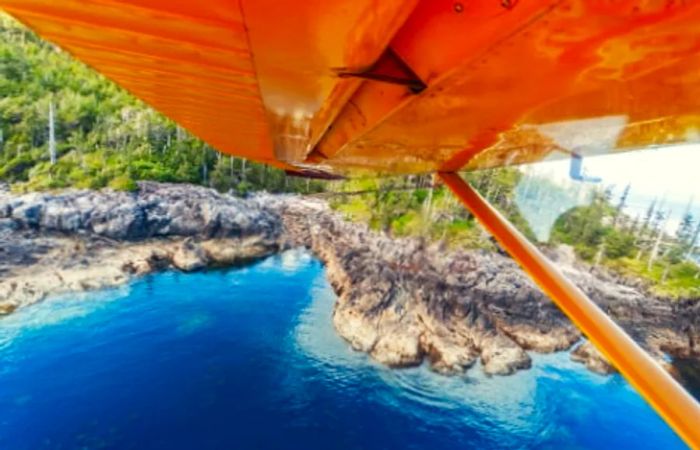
688, 372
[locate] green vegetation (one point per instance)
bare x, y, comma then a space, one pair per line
603, 235
414, 206
63, 125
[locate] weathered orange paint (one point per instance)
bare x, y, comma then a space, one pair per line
299, 48
260, 78
437, 38
496, 77
664, 394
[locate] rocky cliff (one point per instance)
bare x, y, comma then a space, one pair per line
404, 302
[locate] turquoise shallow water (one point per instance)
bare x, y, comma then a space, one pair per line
248, 359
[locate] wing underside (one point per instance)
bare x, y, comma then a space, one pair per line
355, 86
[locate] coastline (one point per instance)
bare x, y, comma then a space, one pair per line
401, 301
86, 240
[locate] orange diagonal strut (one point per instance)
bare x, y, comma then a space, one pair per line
665, 395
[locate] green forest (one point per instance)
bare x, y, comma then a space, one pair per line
416, 206
63, 125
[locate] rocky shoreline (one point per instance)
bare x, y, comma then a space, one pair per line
401, 301
81, 240
404, 302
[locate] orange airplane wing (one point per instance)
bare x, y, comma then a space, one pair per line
397, 86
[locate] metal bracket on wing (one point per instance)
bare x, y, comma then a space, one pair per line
577, 173
314, 174
389, 68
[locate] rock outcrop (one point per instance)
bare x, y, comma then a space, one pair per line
78, 239
588, 355
404, 302
155, 210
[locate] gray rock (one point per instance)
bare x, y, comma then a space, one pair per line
119, 221
588, 355
61, 216
5, 209
28, 211
189, 256
8, 225
157, 209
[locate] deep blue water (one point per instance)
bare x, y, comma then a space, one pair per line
248, 359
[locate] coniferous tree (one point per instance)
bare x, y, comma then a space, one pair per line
684, 233
640, 239
648, 217
622, 203
693, 241
660, 220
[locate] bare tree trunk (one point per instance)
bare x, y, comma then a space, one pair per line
667, 268
52, 134
657, 243
428, 207
599, 255
693, 241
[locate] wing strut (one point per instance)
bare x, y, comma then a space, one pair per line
665, 395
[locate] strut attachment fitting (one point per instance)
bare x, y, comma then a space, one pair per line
389, 68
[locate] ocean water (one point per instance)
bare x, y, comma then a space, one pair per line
248, 359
